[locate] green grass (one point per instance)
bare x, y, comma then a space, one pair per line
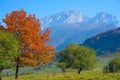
85, 75
54, 73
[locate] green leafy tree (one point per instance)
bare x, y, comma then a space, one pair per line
78, 57
9, 46
114, 65
62, 65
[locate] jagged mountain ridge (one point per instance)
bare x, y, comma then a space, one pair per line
71, 17
64, 17
72, 26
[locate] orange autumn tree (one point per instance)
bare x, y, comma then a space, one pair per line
33, 41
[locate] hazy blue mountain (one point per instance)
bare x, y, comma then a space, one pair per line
105, 42
72, 26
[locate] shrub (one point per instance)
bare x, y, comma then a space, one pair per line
114, 65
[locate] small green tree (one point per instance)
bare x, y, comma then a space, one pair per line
78, 57
9, 47
114, 65
62, 65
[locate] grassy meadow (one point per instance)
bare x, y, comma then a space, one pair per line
54, 73
85, 75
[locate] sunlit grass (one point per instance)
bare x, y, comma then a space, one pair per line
85, 75
54, 73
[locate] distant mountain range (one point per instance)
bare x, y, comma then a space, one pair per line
65, 17
105, 42
71, 26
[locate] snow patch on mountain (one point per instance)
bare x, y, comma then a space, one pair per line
65, 17
104, 17
73, 17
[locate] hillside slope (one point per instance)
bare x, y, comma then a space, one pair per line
105, 42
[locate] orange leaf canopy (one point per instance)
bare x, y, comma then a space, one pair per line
33, 40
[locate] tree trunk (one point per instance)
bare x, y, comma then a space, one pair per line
1, 68
63, 69
17, 69
79, 70
0, 76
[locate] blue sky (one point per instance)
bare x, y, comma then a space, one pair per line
42, 8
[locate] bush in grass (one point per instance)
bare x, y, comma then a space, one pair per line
106, 69
62, 65
114, 65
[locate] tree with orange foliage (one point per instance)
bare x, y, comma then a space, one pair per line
33, 41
